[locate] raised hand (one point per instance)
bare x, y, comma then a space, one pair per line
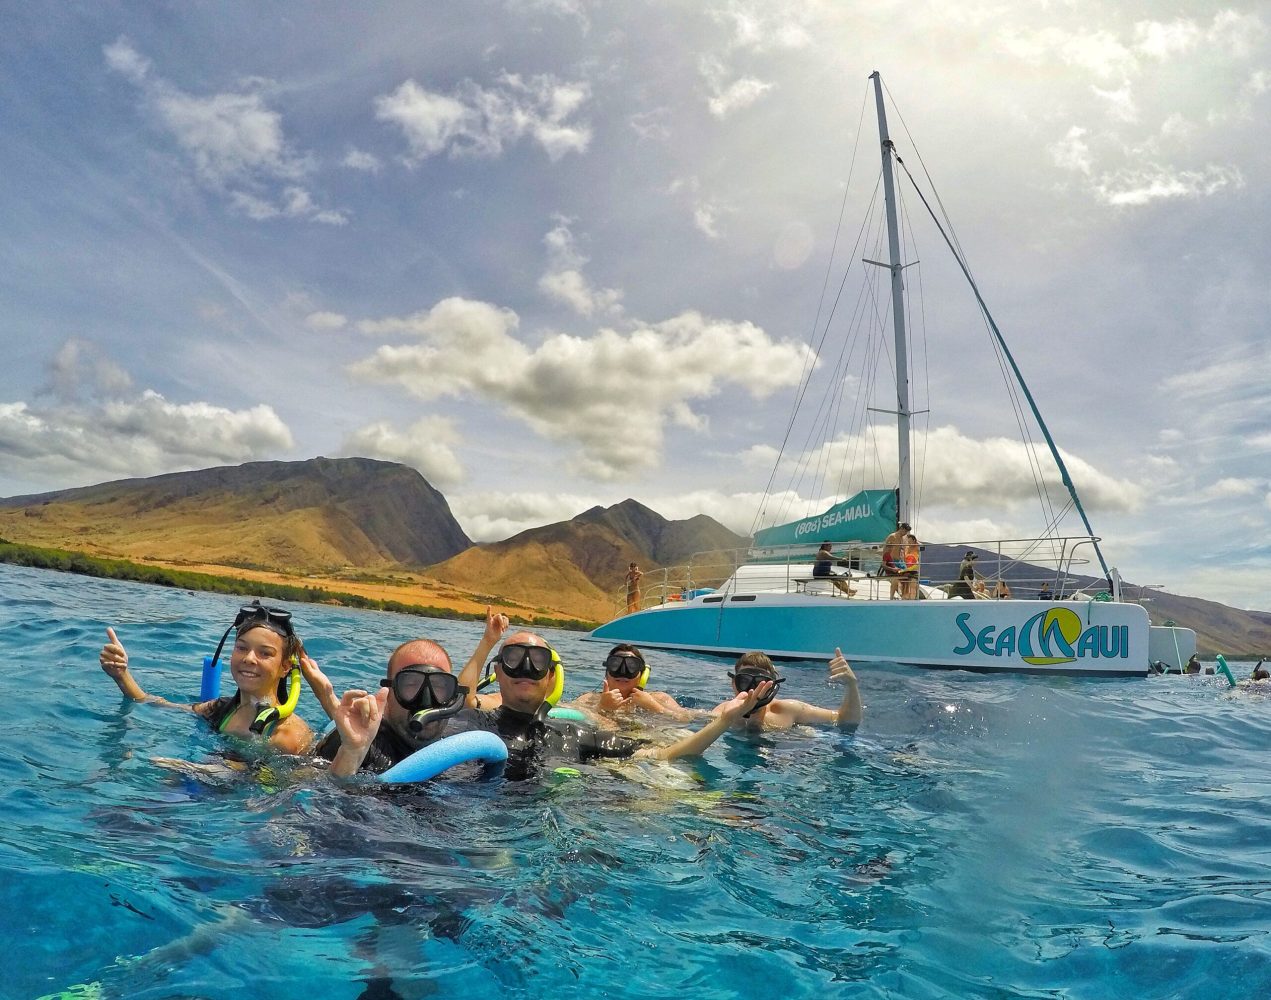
496, 624
320, 684
746, 700
840, 669
113, 657
357, 715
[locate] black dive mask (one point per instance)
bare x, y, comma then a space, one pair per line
431, 693
519, 660
747, 680
276, 620
624, 666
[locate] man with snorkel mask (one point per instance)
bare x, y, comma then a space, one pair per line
530, 676
755, 672
416, 698
624, 688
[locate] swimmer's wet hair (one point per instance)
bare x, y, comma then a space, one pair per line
756, 661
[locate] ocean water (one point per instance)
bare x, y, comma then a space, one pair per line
978, 837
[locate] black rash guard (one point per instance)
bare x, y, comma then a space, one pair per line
533, 740
388, 748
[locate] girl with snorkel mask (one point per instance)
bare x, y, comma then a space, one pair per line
264, 663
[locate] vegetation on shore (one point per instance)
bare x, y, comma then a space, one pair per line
66, 561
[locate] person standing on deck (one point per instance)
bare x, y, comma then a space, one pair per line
894, 558
633, 588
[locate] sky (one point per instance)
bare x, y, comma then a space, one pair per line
555, 254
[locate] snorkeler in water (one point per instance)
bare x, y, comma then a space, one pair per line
624, 689
530, 676
754, 671
419, 693
264, 663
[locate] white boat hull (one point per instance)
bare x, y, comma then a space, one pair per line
1087, 638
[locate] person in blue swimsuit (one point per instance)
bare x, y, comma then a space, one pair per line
266, 648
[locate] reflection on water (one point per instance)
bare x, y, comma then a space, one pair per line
979, 836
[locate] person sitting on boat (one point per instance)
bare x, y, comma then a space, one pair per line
528, 670
894, 557
822, 568
624, 689
755, 672
967, 578
910, 553
1043, 592
416, 698
266, 649
1001, 591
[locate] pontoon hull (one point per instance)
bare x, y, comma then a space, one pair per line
1088, 638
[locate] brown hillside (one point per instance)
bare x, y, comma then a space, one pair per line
293, 517
582, 563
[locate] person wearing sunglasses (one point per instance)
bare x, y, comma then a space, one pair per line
417, 697
754, 671
263, 662
530, 675
624, 688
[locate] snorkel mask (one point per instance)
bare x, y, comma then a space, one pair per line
626, 664
748, 678
534, 662
278, 621
430, 693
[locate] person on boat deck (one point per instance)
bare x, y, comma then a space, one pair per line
528, 670
967, 578
1043, 592
1001, 591
755, 672
633, 587
266, 648
910, 553
822, 568
624, 689
894, 557
415, 700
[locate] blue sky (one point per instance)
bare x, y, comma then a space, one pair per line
555, 254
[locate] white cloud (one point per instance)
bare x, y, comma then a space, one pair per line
426, 445
1072, 152
652, 125
1230, 487
611, 395
126, 60
99, 427
1161, 40
479, 122
326, 321
357, 159
234, 141
492, 517
1120, 102
706, 219
763, 25
1099, 52
564, 281
1135, 186
993, 474
1236, 33
729, 96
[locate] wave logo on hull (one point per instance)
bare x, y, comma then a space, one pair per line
1051, 636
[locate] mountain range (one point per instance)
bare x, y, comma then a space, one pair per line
351, 517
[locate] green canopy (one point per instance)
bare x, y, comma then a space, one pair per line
870, 516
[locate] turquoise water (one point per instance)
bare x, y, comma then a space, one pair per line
979, 837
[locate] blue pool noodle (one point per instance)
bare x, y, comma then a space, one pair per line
430, 761
210, 690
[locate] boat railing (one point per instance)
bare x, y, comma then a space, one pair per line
1047, 568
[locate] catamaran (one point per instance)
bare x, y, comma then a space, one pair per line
773, 597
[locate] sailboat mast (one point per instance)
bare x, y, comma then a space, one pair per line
903, 413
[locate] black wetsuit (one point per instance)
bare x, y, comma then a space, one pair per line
388, 748
533, 740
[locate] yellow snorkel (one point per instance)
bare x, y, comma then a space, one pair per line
276, 713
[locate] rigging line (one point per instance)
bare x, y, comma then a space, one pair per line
910, 244
1050, 441
806, 381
